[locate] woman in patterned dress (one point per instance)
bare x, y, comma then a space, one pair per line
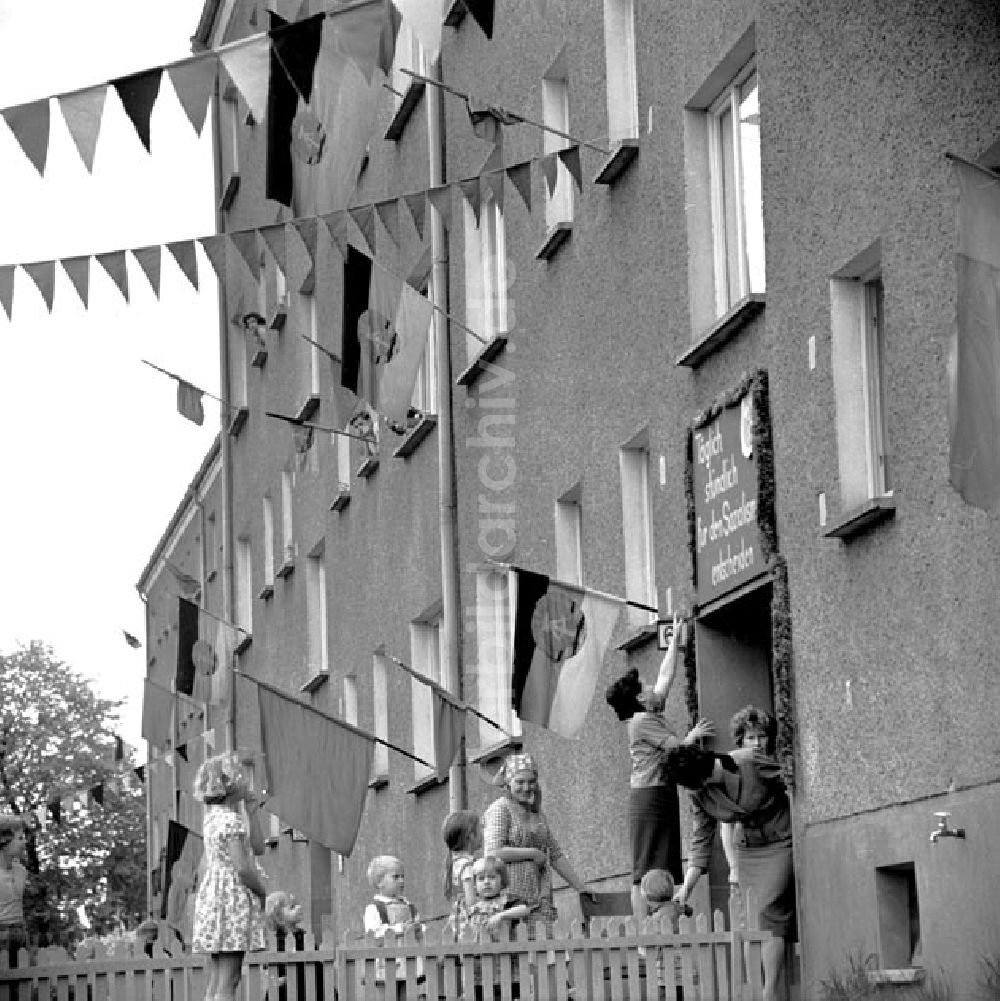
229, 907
516, 830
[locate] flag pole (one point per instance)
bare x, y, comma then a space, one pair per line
177, 378
992, 175
211, 615
333, 719
513, 114
579, 587
319, 427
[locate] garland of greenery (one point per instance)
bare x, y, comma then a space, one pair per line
756, 384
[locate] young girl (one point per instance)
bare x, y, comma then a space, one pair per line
493, 903
230, 902
463, 834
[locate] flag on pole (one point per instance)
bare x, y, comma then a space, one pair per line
133, 641
402, 352
157, 714
974, 365
318, 769
189, 402
449, 728
561, 633
180, 875
205, 644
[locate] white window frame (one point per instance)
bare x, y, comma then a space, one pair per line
267, 511
495, 603
351, 699
315, 360
620, 66
318, 635
637, 529
342, 452
485, 272
428, 659
287, 516
555, 114
732, 226
425, 387
238, 376
380, 698
879, 482
244, 583
232, 104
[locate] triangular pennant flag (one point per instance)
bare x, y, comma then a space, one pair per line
341, 230
133, 641
43, 274
298, 258
194, 83
114, 264
424, 19
358, 35
184, 254
482, 14
470, 190
157, 712
140, 772
364, 216
138, 95
149, 261
182, 752
215, 250
248, 64
440, 199
78, 271
493, 181
274, 238
417, 204
387, 42
82, 111
550, 171
520, 177
561, 634
401, 360
388, 212
449, 728
7, 287
245, 241
97, 794
308, 230
189, 405
570, 156
30, 125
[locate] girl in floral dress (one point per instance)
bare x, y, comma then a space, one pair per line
229, 907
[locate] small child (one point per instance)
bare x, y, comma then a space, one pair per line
657, 889
463, 834
391, 911
494, 904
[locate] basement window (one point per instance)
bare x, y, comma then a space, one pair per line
898, 916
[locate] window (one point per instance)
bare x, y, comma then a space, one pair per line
555, 113
425, 387
569, 538
858, 359
485, 273
898, 916
409, 56
342, 447
380, 694
619, 61
351, 699
427, 658
268, 512
637, 528
287, 525
244, 583
494, 645
238, 375
737, 216
313, 354
211, 547
231, 122
316, 613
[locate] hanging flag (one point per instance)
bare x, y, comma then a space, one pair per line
974, 365
7, 288
138, 95
187, 583
97, 794
248, 65
293, 59
30, 125
388, 213
180, 877
140, 772
184, 254
149, 261
390, 33
493, 182
470, 191
400, 358
364, 216
416, 203
114, 264
133, 641
482, 14
274, 238
157, 714
78, 271
520, 177
358, 35
570, 156
298, 257
194, 82
245, 241
318, 769
82, 111
484, 117
550, 171
449, 728
43, 274
215, 250
189, 403
560, 636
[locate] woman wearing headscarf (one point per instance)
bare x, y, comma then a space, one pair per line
653, 817
516, 830
745, 789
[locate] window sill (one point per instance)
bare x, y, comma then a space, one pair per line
271, 842
488, 752
723, 330
309, 407
368, 467
211, 575
415, 436
244, 644
910, 975
378, 782
341, 498
266, 592
862, 518
478, 365
316, 682
455, 14
258, 358
407, 106
286, 569
639, 637
623, 155
554, 239
279, 316
229, 192
425, 784
239, 418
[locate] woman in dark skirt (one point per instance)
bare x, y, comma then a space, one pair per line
654, 826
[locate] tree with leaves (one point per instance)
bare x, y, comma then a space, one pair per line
65, 770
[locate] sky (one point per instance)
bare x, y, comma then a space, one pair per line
94, 458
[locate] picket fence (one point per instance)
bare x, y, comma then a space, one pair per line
612, 959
